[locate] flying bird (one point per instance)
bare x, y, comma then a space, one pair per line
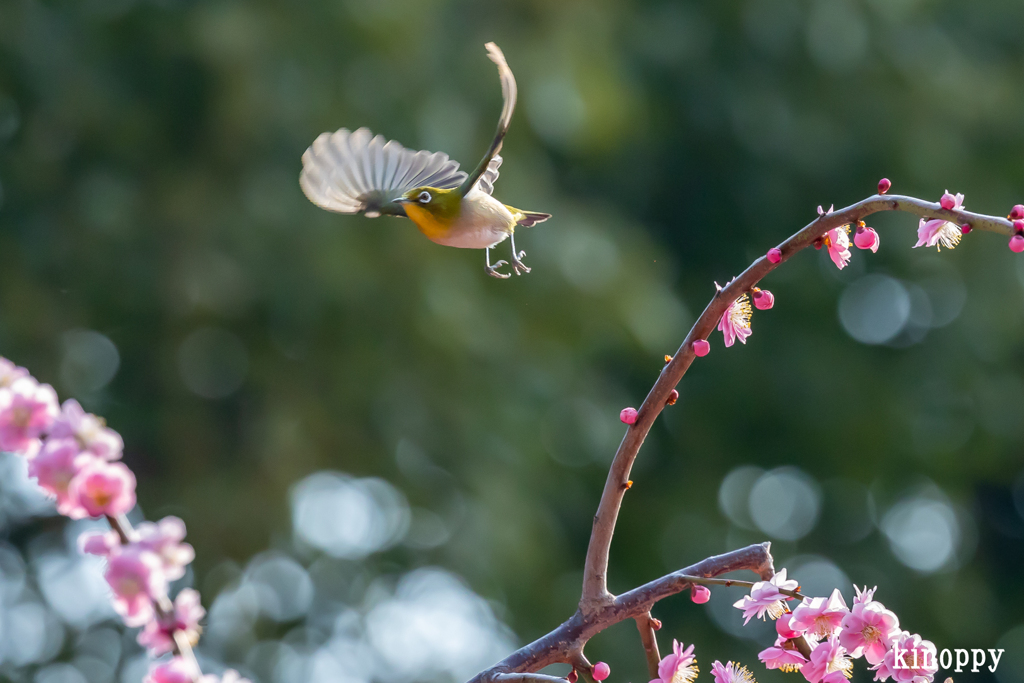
358, 172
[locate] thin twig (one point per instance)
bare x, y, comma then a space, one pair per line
645, 625
705, 581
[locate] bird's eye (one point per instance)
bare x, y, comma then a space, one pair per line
424, 197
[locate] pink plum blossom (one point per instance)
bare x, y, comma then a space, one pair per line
701, 348
909, 660
869, 630
820, 616
1017, 212
828, 657
774, 255
780, 657
763, 299
939, 232
949, 202
735, 322
765, 597
9, 372
175, 670
866, 238
158, 635
137, 579
101, 543
838, 242
601, 671
55, 467
700, 594
731, 673
90, 431
103, 488
864, 595
165, 539
1017, 244
27, 410
678, 667
628, 415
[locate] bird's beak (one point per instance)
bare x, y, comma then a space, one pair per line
401, 200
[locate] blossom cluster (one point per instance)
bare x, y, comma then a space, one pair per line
76, 459
835, 635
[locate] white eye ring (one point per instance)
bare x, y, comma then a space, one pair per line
424, 197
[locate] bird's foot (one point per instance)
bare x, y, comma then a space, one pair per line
517, 263
493, 270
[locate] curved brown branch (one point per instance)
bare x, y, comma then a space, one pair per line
565, 643
599, 609
595, 579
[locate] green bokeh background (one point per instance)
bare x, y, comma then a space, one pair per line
149, 156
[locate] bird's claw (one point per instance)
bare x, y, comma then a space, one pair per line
493, 270
517, 263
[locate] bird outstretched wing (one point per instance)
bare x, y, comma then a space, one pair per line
508, 91
490, 176
357, 172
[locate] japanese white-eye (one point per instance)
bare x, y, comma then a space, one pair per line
357, 172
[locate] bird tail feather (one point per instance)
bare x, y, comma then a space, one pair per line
528, 219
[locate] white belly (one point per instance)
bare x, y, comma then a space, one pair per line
484, 222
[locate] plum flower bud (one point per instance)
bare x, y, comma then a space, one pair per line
700, 594
175, 670
27, 410
774, 255
672, 397
573, 676
103, 488
601, 671
158, 636
137, 579
1017, 212
965, 228
866, 238
90, 431
165, 539
1018, 226
628, 415
884, 185
948, 201
701, 348
55, 467
1017, 244
763, 299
